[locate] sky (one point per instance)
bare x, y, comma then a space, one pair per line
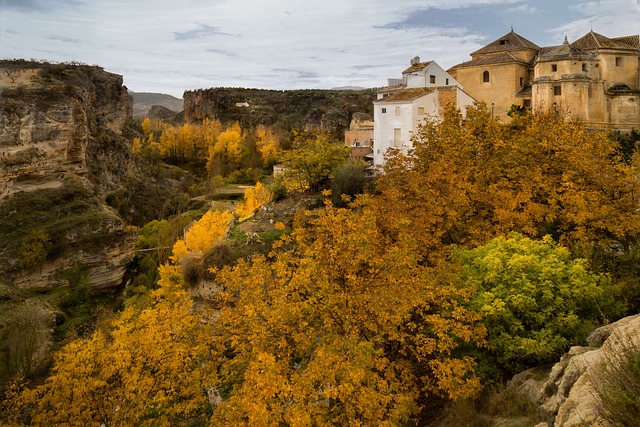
169, 46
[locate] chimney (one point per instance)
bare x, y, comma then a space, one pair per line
415, 60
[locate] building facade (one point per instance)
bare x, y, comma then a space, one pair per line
398, 115
423, 93
595, 79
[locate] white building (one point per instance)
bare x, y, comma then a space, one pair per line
423, 93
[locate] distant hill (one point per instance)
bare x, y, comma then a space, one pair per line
143, 101
305, 109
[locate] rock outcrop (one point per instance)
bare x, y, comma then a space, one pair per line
61, 150
569, 395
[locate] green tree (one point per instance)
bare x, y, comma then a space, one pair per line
536, 300
310, 163
348, 180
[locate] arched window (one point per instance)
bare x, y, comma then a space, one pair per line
485, 77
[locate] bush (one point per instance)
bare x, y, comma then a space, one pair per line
536, 300
348, 180
34, 249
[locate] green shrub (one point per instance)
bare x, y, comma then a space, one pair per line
34, 249
348, 180
536, 300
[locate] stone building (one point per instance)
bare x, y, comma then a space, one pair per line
595, 79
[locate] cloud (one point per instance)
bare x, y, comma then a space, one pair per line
366, 67
64, 39
36, 5
223, 52
611, 18
523, 8
299, 74
203, 31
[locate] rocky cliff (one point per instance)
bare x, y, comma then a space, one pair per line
570, 394
61, 150
330, 110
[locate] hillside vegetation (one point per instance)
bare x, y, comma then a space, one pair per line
489, 249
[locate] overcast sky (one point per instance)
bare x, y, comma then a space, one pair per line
170, 46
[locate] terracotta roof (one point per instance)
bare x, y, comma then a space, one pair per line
417, 67
633, 41
488, 59
592, 41
564, 51
406, 94
509, 42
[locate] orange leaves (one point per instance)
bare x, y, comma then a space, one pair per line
470, 181
144, 367
320, 330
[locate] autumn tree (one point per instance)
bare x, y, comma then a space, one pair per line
312, 159
146, 366
202, 234
227, 151
345, 327
468, 181
254, 197
267, 144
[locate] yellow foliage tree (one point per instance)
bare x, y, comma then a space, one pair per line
254, 197
145, 367
344, 328
469, 181
202, 234
267, 143
136, 146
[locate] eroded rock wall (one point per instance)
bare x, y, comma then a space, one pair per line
61, 150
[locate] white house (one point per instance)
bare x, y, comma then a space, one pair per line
422, 93
426, 74
398, 114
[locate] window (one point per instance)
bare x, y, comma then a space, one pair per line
526, 103
397, 111
485, 77
446, 82
432, 79
557, 90
584, 67
397, 142
384, 110
503, 42
554, 68
421, 111
521, 81
618, 61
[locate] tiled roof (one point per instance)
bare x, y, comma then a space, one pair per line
509, 42
592, 41
493, 58
564, 51
406, 94
633, 41
417, 67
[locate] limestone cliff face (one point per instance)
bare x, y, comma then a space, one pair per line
569, 394
50, 116
61, 149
